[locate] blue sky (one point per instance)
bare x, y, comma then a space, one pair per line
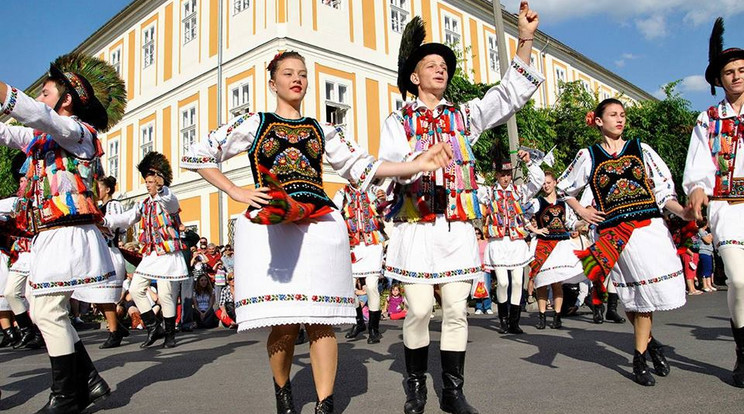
648, 42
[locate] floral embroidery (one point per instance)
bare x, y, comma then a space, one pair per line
12, 97
198, 160
340, 134
730, 243
293, 135
648, 281
71, 283
270, 147
166, 277
437, 275
313, 147
365, 274
297, 297
524, 72
291, 161
623, 189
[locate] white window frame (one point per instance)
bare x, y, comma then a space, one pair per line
452, 29
399, 12
240, 99
147, 139
113, 157
240, 5
115, 59
188, 127
334, 4
189, 20
148, 46
587, 86
560, 77
337, 104
493, 53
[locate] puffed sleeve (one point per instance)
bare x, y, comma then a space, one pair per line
7, 205
67, 131
123, 220
700, 169
394, 145
535, 181
660, 175
349, 159
571, 218
223, 143
168, 200
484, 195
576, 176
503, 100
531, 208
338, 199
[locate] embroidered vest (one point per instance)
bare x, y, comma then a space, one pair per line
159, 229
362, 221
620, 185
553, 218
506, 214
723, 138
293, 151
60, 189
451, 191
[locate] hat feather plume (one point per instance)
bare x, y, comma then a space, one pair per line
716, 44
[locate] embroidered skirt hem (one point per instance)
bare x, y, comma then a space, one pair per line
169, 267
109, 292
368, 260
562, 265
506, 253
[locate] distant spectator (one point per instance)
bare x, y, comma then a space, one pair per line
705, 253
228, 260
396, 303
204, 303
226, 312
213, 257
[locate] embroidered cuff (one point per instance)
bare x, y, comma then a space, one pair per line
197, 163
408, 158
530, 75
10, 100
367, 176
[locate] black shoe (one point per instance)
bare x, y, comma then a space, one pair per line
417, 361
11, 336
359, 327
114, 339
373, 335
284, 401
540, 321
325, 406
738, 372
656, 352
641, 374
30, 339
91, 388
154, 329
170, 332
515, 312
557, 323
453, 371
63, 399
503, 311
612, 314
598, 311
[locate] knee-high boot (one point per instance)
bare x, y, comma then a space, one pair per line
373, 336
170, 332
503, 310
154, 328
612, 314
738, 372
417, 361
359, 327
453, 378
30, 334
63, 399
91, 388
515, 312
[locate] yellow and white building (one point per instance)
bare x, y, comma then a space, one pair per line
182, 59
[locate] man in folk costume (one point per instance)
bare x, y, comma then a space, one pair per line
433, 240
79, 98
507, 252
714, 175
366, 238
161, 246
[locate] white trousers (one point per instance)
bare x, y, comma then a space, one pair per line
166, 295
373, 292
14, 292
50, 314
733, 264
420, 301
502, 285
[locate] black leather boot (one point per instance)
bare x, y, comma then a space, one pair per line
359, 327
656, 352
170, 332
503, 310
91, 388
325, 406
453, 378
417, 362
540, 320
598, 311
11, 336
515, 312
612, 314
30, 335
284, 401
114, 338
373, 336
557, 323
154, 329
63, 399
738, 372
641, 374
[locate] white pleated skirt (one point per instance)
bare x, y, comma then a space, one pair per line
561, 266
293, 273
367, 260
505, 253
726, 224
109, 292
168, 267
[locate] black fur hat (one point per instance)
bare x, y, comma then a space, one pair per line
156, 163
717, 57
412, 50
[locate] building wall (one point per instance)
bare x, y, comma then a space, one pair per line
354, 45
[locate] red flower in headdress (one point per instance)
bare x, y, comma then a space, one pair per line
590, 119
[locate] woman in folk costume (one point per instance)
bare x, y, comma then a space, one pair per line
366, 238
433, 240
14, 289
292, 260
160, 245
630, 184
81, 97
555, 262
506, 228
714, 176
11, 336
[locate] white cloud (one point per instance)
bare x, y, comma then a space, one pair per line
624, 58
694, 83
653, 27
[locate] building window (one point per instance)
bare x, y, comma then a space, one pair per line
337, 103
398, 14
188, 128
240, 100
336, 4
560, 77
148, 46
493, 53
399, 104
113, 158
586, 85
189, 21
115, 60
451, 30
605, 95
147, 143
240, 5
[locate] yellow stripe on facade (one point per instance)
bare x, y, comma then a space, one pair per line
167, 149
214, 34
373, 116
214, 218
212, 107
130, 67
130, 158
369, 22
168, 40
475, 50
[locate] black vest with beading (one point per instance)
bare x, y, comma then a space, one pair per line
552, 217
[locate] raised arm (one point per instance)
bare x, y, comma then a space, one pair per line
123, 220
